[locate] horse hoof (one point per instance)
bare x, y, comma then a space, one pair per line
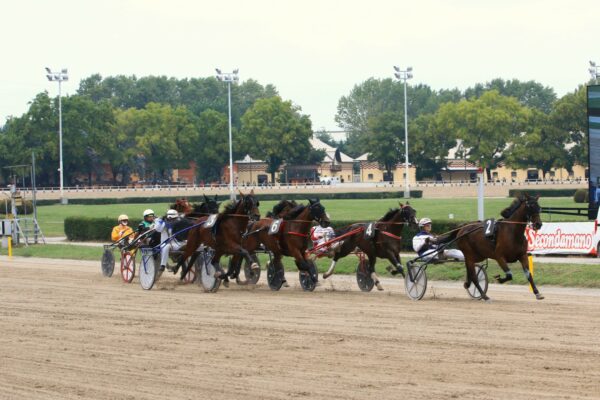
226, 283
254, 266
539, 296
285, 284
486, 299
218, 274
326, 275
467, 285
379, 287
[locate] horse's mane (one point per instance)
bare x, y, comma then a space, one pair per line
508, 211
231, 207
277, 208
389, 215
294, 212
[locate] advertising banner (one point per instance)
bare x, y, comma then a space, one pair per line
563, 238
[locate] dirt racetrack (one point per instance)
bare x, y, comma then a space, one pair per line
67, 332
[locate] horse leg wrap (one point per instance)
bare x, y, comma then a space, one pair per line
330, 270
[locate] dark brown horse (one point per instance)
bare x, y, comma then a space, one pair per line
226, 236
507, 246
292, 238
384, 242
194, 211
250, 240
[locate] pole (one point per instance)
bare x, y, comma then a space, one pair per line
406, 186
62, 193
231, 194
33, 199
480, 195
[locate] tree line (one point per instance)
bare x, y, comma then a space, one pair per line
151, 125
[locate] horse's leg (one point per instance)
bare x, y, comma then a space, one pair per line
345, 249
525, 264
372, 260
395, 260
507, 272
331, 269
188, 265
219, 273
303, 265
472, 277
279, 265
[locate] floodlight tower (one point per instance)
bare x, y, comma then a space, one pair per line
404, 75
59, 77
229, 77
593, 70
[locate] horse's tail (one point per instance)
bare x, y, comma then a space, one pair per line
447, 237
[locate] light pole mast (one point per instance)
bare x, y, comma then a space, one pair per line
59, 77
593, 70
229, 78
404, 75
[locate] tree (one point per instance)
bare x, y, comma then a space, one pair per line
385, 140
274, 130
569, 115
211, 148
485, 125
530, 94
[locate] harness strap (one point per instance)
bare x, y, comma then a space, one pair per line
390, 235
297, 234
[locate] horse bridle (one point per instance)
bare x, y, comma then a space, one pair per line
250, 203
321, 210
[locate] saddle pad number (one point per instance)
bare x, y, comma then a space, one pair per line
489, 227
210, 221
369, 231
274, 227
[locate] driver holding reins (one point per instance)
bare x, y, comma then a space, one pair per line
425, 246
168, 227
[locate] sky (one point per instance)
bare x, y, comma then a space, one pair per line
314, 52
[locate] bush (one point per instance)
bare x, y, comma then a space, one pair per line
581, 196
25, 209
92, 229
543, 192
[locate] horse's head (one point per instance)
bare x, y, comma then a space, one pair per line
182, 206
282, 208
529, 207
317, 212
532, 210
408, 214
250, 205
211, 206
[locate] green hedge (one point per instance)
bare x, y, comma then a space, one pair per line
581, 196
271, 196
98, 229
543, 192
5, 205
92, 229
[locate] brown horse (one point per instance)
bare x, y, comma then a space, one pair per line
383, 243
194, 211
226, 236
250, 240
292, 239
507, 246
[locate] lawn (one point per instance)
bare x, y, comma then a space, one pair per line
51, 217
570, 275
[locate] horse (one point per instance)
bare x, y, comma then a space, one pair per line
250, 240
384, 243
195, 211
510, 244
292, 238
226, 236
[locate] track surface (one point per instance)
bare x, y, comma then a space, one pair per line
67, 332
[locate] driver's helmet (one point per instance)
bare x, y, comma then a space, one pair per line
148, 212
123, 217
172, 214
424, 221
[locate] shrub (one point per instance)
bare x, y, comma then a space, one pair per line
92, 229
581, 196
543, 192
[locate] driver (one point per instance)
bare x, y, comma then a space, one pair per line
169, 228
323, 233
424, 245
122, 230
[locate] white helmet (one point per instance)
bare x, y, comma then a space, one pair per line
172, 214
148, 212
122, 217
424, 221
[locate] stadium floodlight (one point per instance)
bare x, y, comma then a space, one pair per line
229, 77
404, 75
59, 77
594, 71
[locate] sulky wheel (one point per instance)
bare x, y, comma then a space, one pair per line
482, 278
191, 275
363, 277
415, 281
206, 276
127, 266
107, 263
252, 275
148, 269
275, 276
308, 279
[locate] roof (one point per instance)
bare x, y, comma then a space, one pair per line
248, 160
318, 144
